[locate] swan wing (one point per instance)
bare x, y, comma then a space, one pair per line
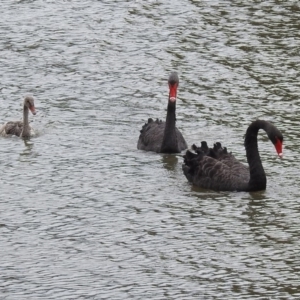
210, 173
151, 136
12, 128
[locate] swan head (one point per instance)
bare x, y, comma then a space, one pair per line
173, 85
274, 135
29, 103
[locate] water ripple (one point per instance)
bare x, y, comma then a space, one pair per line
84, 214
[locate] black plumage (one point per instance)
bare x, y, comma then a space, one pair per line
216, 169
164, 137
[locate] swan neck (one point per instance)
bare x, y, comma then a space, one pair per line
171, 115
169, 143
258, 179
26, 128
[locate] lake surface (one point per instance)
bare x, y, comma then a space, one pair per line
83, 213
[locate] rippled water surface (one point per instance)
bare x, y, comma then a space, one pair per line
83, 213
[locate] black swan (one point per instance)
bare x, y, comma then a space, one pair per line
19, 128
160, 136
216, 169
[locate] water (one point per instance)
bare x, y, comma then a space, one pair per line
83, 213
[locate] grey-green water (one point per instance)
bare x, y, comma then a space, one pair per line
83, 213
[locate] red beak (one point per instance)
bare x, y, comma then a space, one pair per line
173, 92
278, 147
32, 109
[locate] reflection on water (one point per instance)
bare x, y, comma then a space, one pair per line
28, 147
169, 161
85, 214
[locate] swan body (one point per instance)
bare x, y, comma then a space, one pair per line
164, 137
20, 128
216, 169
